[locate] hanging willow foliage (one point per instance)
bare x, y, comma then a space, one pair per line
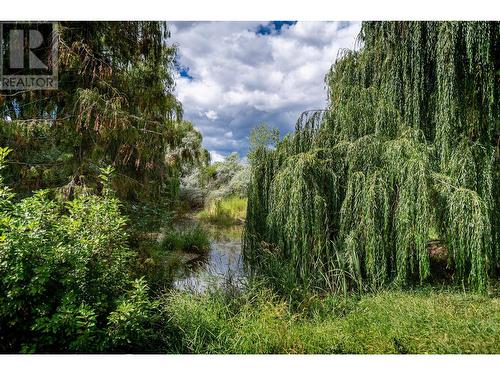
408, 145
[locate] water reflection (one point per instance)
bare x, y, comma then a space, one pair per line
223, 262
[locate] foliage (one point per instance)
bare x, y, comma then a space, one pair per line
136, 323
228, 178
147, 217
157, 267
114, 106
63, 281
406, 146
262, 137
185, 149
193, 188
207, 184
258, 321
226, 211
191, 240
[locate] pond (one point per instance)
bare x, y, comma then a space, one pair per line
222, 264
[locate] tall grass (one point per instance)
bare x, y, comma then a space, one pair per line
224, 211
259, 321
190, 240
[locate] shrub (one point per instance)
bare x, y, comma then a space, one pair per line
134, 324
218, 181
64, 274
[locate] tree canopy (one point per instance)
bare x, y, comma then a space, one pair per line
114, 106
406, 151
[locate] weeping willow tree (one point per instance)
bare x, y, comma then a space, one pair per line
114, 106
408, 147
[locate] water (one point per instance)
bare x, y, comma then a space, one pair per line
222, 264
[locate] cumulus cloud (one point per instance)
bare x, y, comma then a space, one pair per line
235, 75
211, 115
216, 157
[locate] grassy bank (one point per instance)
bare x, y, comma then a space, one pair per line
256, 321
227, 211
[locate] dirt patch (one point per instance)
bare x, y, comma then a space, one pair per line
438, 254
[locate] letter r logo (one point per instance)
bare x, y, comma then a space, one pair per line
28, 56
35, 40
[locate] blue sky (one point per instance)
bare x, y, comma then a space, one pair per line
232, 76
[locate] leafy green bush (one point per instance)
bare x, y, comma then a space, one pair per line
65, 274
146, 217
136, 323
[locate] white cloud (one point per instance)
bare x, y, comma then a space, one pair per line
211, 115
215, 156
240, 78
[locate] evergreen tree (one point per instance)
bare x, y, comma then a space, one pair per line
114, 106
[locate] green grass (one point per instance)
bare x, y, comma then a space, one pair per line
190, 240
257, 321
227, 211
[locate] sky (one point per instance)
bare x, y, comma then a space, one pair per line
232, 76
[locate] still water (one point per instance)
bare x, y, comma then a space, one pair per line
222, 264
